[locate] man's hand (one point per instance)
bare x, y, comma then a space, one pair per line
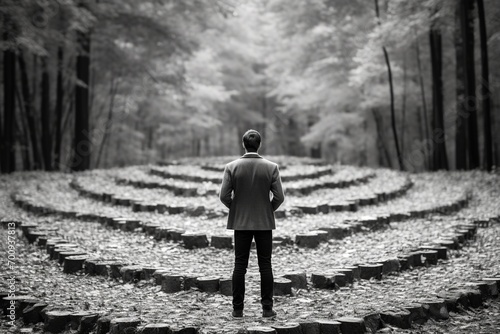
277, 190
226, 189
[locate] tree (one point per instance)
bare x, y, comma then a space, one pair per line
315, 85
29, 111
461, 119
167, 76
82, 144
109, 120
391, 90
59, 109
485, 88
381, 145
424, 121
46, 117
8, 161
470, 100
440, 160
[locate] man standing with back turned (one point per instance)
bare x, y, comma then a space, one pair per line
246, 188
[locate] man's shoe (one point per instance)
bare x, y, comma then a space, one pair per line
268, 313
238, 314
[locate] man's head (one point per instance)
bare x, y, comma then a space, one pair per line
251, 141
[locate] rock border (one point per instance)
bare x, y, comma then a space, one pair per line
309, 239
472, 294
322, 171
139, 205
191, 192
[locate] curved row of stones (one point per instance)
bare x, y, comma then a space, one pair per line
74, 258
33, 310
313, 238
321, 171
190, 240
139, 205
188, 191
367, 320
360, 176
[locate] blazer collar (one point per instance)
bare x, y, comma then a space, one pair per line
251, 155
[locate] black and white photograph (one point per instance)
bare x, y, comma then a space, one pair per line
249, 166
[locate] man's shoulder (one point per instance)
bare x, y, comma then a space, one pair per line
269, 163
233, 163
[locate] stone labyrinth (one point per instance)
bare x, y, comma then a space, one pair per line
144, 249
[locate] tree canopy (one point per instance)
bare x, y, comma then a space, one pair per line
170, 78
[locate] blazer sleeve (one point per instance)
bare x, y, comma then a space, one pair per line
226, 189
277, 189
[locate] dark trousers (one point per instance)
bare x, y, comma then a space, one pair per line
242, 244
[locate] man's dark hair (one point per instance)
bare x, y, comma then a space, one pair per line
251, 140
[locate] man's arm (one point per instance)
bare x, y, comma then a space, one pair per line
277, 190
226, 189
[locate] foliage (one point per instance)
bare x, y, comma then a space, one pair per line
186, 78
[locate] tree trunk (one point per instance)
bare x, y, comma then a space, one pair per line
197, 144
68, 113
59, 109
380, 138
207, 145
363, 154
391, 90
150, 137
23, 132
467, 29
29, 111
496, 140
1, 141
68, 118
485, 90
262, 130
424, 101
82, 144
8, 158
112, 92
440, 160
461, 117
421, 132
45, 114
393, 112
403, 109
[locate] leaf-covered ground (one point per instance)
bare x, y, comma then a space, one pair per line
53, 190
479, 321
44, 279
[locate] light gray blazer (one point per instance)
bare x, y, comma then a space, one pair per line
246, 190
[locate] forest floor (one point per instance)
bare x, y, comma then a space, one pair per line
140, 232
